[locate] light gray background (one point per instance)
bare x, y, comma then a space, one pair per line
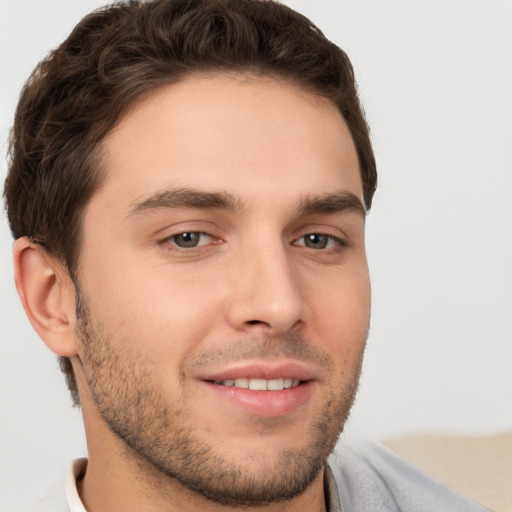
436, 81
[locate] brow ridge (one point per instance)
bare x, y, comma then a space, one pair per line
185, 198
329, 203
332, 203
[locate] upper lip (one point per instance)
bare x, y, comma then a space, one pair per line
258, 370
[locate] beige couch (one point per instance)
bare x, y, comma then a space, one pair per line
479, 467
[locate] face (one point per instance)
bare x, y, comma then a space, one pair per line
224, 290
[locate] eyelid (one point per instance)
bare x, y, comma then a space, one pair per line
169, 245
187, 225
333, 231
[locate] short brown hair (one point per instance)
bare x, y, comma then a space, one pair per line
120, 53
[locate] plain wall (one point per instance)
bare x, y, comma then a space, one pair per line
436, 81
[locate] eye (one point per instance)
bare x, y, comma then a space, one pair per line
318, 241
189, 239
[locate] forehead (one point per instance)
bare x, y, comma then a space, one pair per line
248, 134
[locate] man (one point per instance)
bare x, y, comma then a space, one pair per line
187, 189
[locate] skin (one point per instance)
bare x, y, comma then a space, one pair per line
157, 320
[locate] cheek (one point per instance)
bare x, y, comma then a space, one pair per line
340, 313
165, 313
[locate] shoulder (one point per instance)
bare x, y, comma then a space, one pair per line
368, 476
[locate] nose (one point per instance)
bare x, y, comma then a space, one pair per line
266, 293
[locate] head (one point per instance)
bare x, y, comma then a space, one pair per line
131, 80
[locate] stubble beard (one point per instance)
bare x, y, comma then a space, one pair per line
162, 441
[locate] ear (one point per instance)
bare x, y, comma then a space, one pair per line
47, 294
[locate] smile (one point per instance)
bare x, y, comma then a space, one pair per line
261, 388
255, 384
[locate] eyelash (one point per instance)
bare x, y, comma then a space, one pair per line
336, 243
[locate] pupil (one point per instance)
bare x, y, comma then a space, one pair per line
316, 241
187, 239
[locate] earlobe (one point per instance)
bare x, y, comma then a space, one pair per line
47, 295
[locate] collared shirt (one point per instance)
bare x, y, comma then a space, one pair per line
360, 477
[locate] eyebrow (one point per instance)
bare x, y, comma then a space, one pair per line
186, 198
338, 202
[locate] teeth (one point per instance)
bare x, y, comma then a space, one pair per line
275, 385
258, 384
242, 383
261, 384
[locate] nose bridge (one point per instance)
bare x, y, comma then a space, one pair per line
267, 291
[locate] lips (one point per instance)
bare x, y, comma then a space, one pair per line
264, 390
266, 371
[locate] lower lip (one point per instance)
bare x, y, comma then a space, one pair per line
268, 404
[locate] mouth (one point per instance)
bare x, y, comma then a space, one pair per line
263, 390
257, 384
